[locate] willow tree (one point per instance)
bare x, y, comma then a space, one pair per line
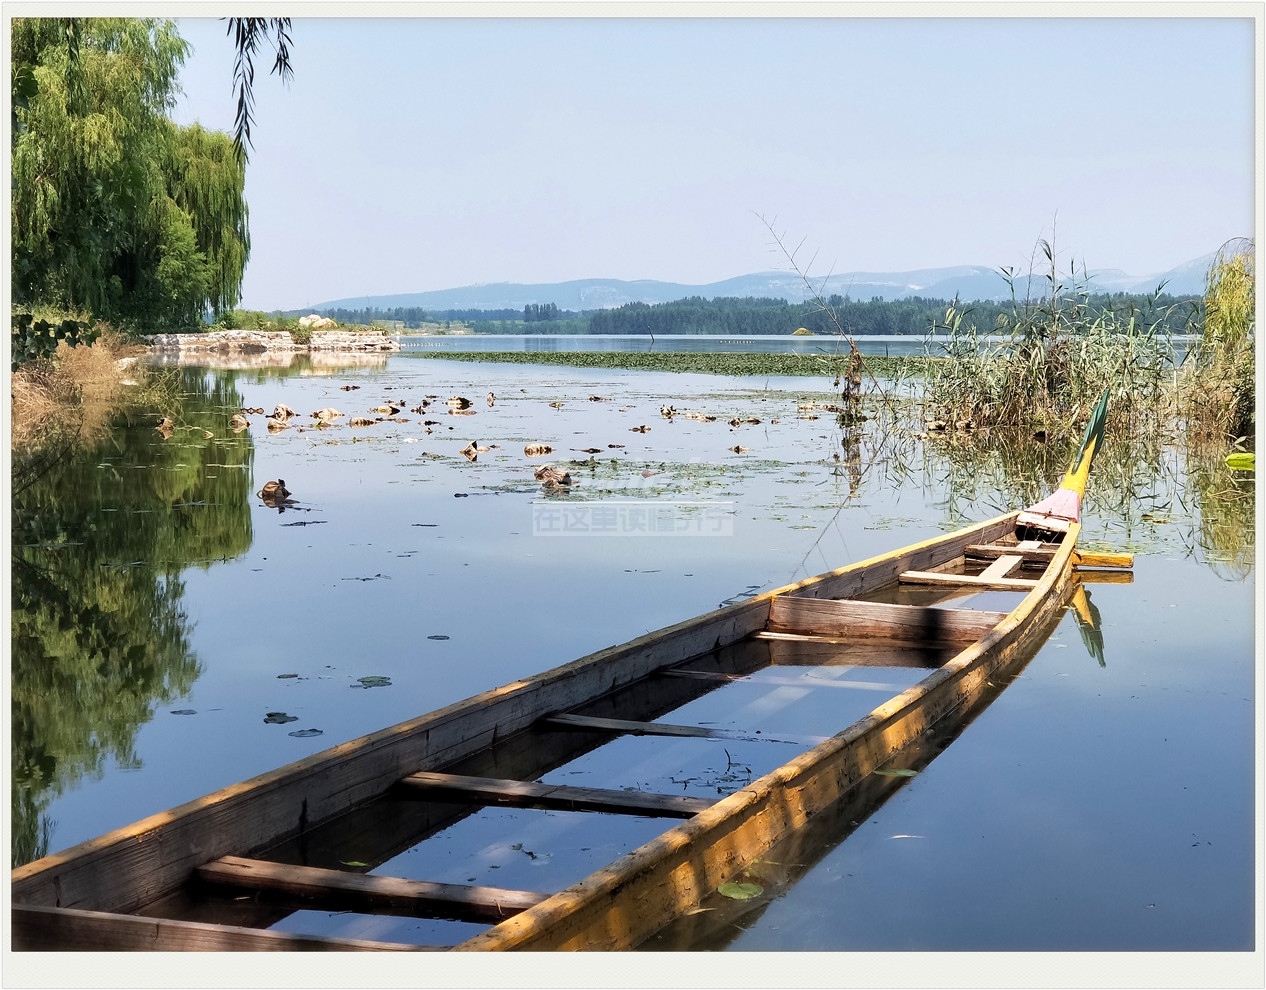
117, 211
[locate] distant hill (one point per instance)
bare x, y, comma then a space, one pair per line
967, 282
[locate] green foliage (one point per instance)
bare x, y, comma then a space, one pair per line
115, 210
1220, 375
34, 339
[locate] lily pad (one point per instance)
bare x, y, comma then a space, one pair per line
740, 891
305, 733
438, 636
280, 718
281, 677
375, 680
896, 773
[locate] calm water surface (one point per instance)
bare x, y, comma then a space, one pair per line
173, 634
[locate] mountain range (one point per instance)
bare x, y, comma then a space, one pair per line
966, 282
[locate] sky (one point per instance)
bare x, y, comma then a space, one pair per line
416, 154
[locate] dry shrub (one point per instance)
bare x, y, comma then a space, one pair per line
69, 400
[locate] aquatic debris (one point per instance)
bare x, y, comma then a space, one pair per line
184, 711
280, 718
305, 733
438, 636
699, 417
640, 429
470, 451
552, 477
807, 416
616, 446
308, 522
538, 449
667, 412
419, 409
277, 425
372, 681
598, 398
389, 410
361, 421
737, 449
238, 423
492, 400
590, 450
282, 412
165, 427
274, 489
252, 410
327, 414
751, 420
556, 405
282, 677
740, 891
459, 402
207, 434
349, 388
650, 474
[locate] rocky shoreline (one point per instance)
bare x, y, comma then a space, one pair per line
258, 341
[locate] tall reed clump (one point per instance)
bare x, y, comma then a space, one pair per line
1219, 392
1046, 363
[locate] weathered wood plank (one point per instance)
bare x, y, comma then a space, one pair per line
620, 905
811, 652
338, 890
36, 928
775, 681
668, 729
965, 580
879, 620
1002, 567
532, 794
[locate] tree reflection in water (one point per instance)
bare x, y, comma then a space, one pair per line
99, 633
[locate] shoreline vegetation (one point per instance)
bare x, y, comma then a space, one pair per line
736, 363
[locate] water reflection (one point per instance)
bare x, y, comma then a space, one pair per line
99, 631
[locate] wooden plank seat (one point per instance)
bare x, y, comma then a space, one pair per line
853, 619
526, 793
970, 580
777, 681
341, 890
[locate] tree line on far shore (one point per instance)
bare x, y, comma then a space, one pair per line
726, 316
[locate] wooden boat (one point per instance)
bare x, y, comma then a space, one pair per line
219, 872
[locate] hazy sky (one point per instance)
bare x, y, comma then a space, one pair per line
424, 154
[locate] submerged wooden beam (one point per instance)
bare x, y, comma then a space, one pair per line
338, 890
879, 620
71, 929
776, 681
669, 729
491, 790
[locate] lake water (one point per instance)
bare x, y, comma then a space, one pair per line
173, 634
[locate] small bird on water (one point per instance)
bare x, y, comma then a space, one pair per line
274, 490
